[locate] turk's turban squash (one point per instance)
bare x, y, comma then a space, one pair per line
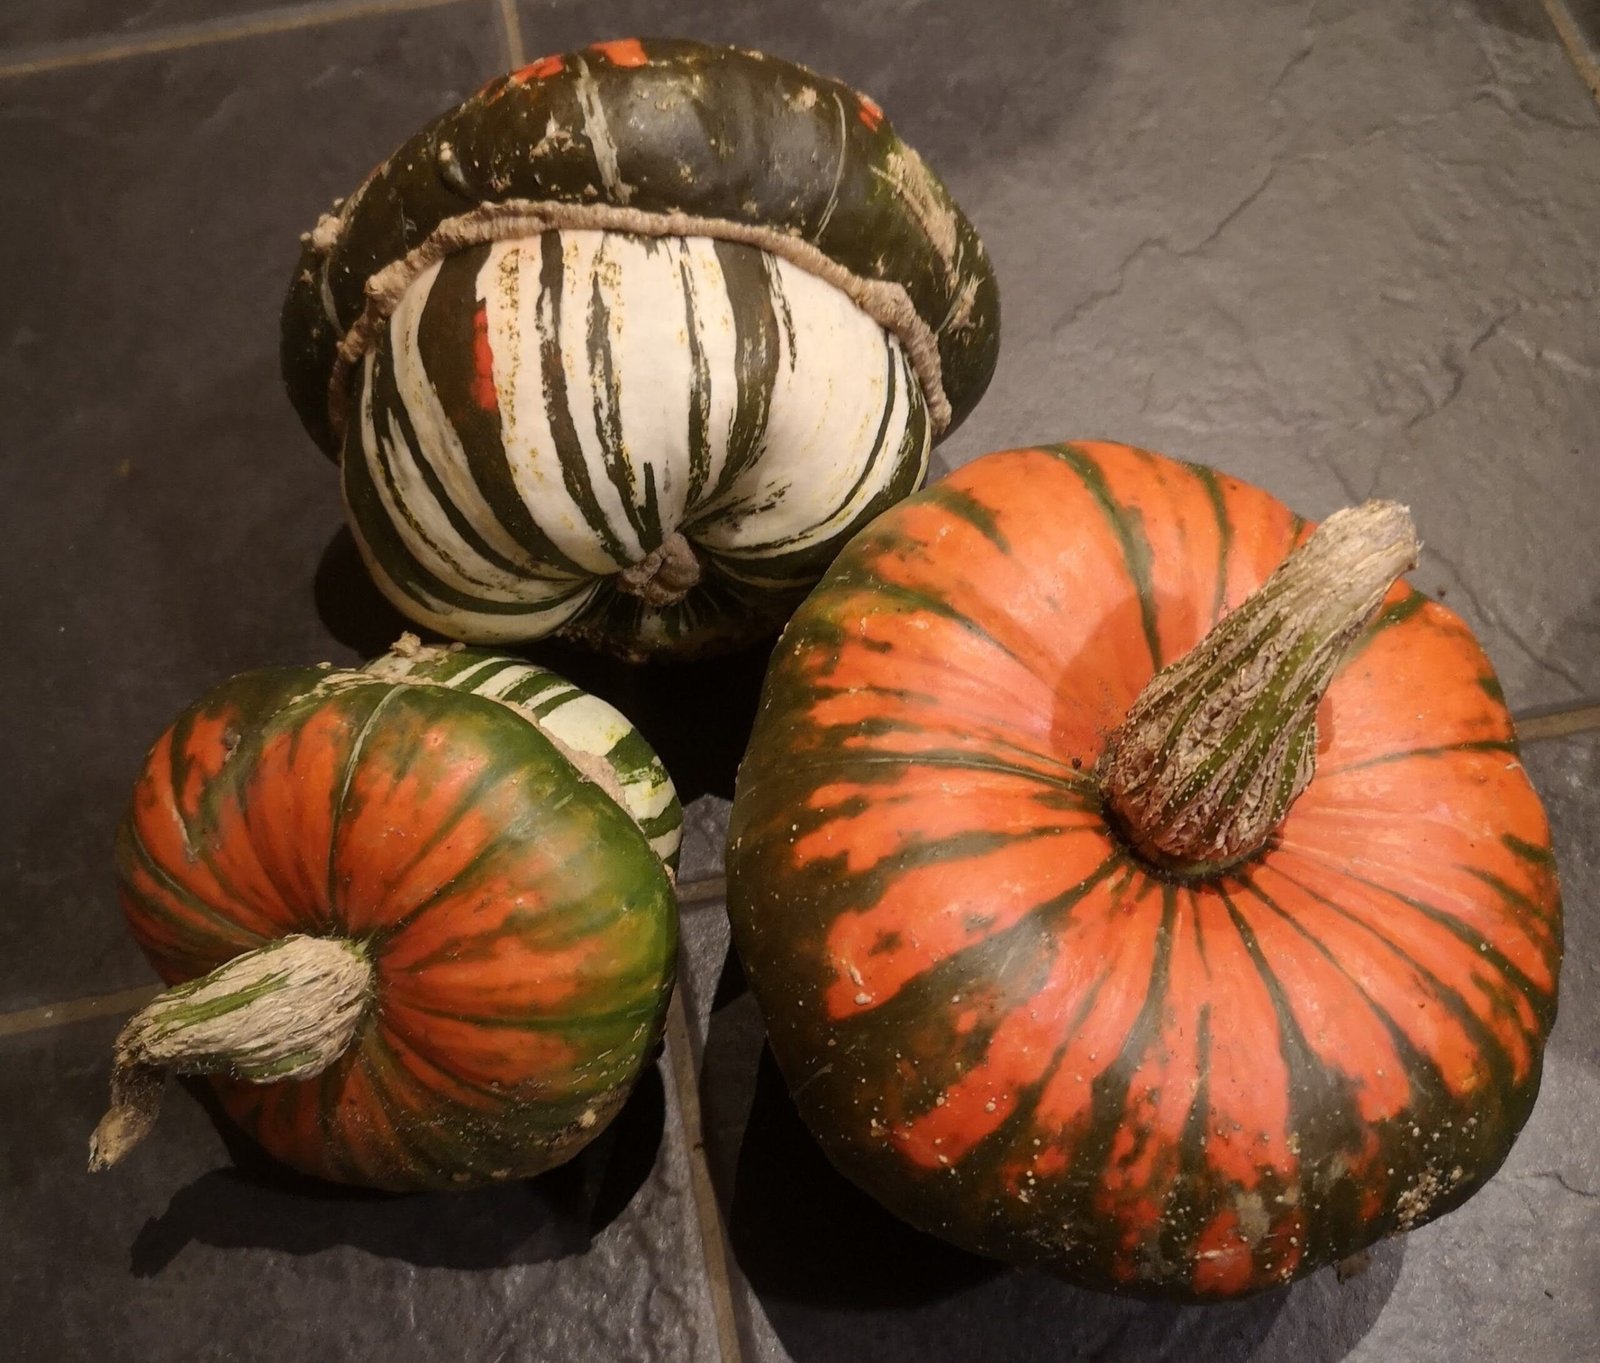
417, 919
1090, 931
631, 342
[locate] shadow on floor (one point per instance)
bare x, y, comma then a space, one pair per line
259, 1204
832, 1269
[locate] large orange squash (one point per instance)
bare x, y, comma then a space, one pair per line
1067, 984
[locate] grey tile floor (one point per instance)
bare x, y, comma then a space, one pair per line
1336, 248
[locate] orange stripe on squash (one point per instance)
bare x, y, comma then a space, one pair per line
623, 52
517, 922
483, 386
542, 69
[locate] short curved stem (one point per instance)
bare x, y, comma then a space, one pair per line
664, 576
1220, 743
287, 1010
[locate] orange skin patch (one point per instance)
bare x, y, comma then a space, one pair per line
287, 812
1341, 1027
224, 895
491, 1057
869, 113
542, 69
877, 821
624, 52
960, 688
875, 952
1247, 1109
1224, 1263
483, 389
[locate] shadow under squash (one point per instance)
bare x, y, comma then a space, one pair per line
833, 1269
259, 1203
355, 612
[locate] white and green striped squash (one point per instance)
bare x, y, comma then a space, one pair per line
629, 345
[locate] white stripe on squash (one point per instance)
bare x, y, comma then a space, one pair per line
588, 724
437, 436
817, 451
431, 539
816, 471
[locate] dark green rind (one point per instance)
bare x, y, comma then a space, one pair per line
709, 131
1130, 536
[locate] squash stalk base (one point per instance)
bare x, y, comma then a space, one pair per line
1221, 742
287, 1010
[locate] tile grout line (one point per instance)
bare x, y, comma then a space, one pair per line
96, 50
1548, 724
1572, 39
713, 1243
1542, 726
695, 894
76, 1010
511, 29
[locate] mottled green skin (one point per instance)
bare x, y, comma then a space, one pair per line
709, 131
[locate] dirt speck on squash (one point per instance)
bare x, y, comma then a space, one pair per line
1414, 1205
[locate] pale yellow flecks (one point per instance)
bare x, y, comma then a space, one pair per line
911, 179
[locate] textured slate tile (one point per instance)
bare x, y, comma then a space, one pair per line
703, 924
108, 19
705, 838
181, 1254
824, 1275
164, 514
705, 960
23, 25
1340, 250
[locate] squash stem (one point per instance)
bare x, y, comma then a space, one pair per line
1221, 742
287, 1010
664, 576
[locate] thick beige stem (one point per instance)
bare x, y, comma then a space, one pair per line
1219, 744
665, 576
285, 1011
